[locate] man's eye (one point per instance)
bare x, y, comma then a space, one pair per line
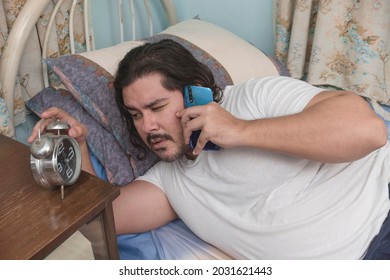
135, 116
157, 108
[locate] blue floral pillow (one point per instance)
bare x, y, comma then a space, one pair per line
114, 155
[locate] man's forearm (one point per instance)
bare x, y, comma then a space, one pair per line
334, 127
86, 164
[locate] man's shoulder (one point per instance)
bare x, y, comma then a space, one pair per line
266, 80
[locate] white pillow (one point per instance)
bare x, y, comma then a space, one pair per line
108, 58
241, 59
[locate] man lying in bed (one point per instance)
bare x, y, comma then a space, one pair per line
302, 173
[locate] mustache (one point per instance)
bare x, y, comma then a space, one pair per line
152, 138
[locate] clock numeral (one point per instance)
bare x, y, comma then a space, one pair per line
61, 148
59, 167
71, 153
69, 172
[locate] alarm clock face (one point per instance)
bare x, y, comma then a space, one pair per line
68, 159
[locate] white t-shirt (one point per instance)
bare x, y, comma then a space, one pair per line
256, 204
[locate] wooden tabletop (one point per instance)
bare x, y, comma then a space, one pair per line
33, 220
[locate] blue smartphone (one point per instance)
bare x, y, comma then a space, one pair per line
195, 96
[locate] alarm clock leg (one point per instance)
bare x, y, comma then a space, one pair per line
62, 192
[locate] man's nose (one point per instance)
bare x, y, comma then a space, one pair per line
149, 123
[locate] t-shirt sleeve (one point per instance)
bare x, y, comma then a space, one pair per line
268, 97
153, 175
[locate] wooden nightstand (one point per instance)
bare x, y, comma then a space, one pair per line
34, 221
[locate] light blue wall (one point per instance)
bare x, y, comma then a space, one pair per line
250, 19
106, 21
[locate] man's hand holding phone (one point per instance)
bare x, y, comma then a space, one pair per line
198, 96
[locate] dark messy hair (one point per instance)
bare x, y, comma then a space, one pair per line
177, 66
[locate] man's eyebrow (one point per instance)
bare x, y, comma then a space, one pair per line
149, 105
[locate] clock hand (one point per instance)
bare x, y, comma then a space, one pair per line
64, 157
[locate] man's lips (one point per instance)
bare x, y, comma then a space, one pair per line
158, 141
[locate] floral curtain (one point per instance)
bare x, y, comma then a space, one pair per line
343, 44
29, 80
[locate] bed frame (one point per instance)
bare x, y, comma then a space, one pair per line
25, 22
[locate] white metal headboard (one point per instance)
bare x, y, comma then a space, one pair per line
24, 24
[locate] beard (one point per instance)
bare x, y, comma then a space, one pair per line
164, 153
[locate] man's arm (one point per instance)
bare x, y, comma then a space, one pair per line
140, 207
336, 126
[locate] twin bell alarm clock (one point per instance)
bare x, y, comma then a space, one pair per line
55, 158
